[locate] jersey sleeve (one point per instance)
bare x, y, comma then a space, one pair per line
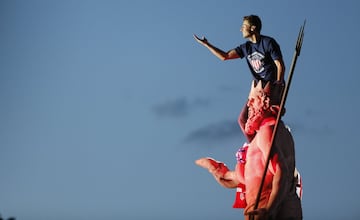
240, 50
274, 50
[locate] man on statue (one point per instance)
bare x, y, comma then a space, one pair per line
263, 56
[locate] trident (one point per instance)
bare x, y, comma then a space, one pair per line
282, 103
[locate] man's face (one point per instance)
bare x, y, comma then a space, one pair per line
245, 29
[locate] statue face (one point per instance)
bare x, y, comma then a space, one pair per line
258, 107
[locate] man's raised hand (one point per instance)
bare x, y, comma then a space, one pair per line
202, 40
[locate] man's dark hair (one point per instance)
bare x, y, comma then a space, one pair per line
254, 20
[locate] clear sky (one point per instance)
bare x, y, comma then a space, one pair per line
105, 105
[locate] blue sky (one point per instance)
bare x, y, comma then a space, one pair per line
105, 105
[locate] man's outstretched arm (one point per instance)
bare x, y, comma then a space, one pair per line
222, 55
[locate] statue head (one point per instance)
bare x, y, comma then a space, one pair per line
259, 106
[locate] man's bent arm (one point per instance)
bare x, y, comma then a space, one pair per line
280, 69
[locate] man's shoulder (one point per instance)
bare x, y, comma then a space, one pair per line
244, 44
266, 38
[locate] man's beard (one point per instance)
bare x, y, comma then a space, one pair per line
255, 117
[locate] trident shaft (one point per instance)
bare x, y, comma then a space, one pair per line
282, 104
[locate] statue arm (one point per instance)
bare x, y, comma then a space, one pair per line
220, 172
